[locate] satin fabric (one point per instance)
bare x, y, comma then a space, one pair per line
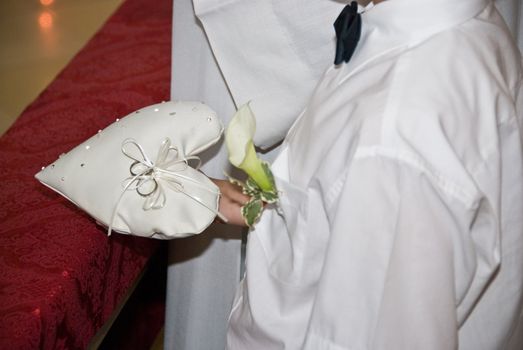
399, 224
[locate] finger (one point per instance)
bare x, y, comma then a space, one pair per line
236, 194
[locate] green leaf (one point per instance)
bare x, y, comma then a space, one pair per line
240, 184
269, 197
268, 172
252, 211
236, 181
252, 187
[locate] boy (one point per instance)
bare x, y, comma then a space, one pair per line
400, 219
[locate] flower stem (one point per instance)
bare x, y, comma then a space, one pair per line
252, 165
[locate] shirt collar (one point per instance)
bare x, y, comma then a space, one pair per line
419, 18
395, 24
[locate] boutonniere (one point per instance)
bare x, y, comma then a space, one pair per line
260, 185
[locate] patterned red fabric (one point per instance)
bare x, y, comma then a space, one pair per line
60, 275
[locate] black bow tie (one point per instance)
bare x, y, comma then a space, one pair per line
348, 31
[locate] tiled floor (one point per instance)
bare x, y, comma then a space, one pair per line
37, 39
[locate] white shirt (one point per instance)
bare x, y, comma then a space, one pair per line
271, 54
400, 223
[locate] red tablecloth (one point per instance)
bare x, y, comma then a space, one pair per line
60, 275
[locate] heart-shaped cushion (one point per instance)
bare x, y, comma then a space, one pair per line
139, 175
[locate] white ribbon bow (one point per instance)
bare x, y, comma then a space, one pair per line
149, 179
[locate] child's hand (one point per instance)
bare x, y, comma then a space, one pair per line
231, 201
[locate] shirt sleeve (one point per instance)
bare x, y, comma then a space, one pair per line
406, 260
271, 53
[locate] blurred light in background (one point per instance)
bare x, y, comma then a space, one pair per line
45, 20
37, 39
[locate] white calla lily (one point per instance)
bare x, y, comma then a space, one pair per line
242, 154
239, 133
